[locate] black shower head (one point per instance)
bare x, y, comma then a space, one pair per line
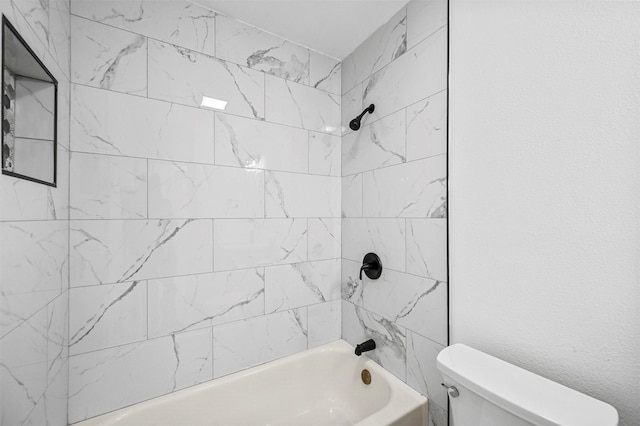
355, 123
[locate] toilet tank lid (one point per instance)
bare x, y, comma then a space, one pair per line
531, 397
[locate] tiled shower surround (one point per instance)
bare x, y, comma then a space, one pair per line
34, 247
394, 172
202, 243
196, 243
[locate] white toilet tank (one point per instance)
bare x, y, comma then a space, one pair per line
492, 392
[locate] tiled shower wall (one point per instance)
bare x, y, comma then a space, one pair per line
394, 196
34, 246
202, 242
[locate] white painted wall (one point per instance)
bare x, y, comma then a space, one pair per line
545, 190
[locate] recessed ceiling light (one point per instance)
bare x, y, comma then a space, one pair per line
214, 103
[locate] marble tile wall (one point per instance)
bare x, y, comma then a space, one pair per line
394, 173
201, 242
34, 247
183, 244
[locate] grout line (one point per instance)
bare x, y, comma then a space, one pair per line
348, 131
164, 336
146, 42
218, 13
146, 286
231, 166
370, 312
309, 152
406, 238
192, 50
194, 107
397, 165
307, 239
147, 164
194, 274
391, 62
213, 245
400, 272
201, 218
215, 139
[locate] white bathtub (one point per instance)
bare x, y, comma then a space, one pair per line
321, 386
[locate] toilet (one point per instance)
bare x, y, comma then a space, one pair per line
486, 391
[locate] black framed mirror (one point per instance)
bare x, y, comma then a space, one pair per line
29, 112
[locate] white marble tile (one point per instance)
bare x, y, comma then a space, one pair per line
243, 142
427, 127
179, 190
298, 195
178, 22
324, 322
424, 17
104, 122
64, 113
23, 376
438, 416
324, 154
112, 378
301, 106
60, 34
301, 284
422, 373
427, 248
26, 200
198, 301
108, 187
385, 237
419, 304
34, 109
31, 26
378, 144
111, 251
249, 46
351, 285
324, 238
416, 75
415, 189
55, 400
38, 415
107, 315
426, 311
36, 14
352, 196
57, 336
107, 57
33, 158
358, 325
247, 243
383, 46
183, 76
33, 268
351, 107
325, 73
243, 344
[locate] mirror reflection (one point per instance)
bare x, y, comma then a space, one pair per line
29, 103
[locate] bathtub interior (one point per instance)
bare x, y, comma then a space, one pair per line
317, 387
